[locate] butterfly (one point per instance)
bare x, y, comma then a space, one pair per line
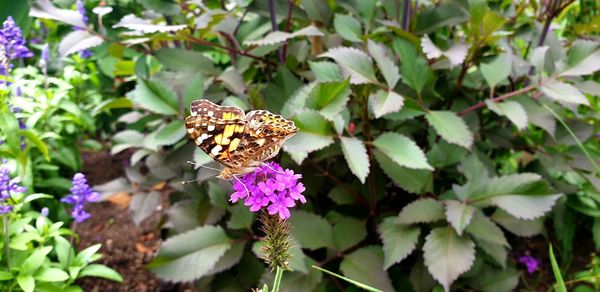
240, 142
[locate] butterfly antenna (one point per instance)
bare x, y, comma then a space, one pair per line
274, 170
243, 184
203, 166
188, 181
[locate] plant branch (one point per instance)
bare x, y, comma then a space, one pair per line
367, 132
497, 99
241, 53
288, 26
406, 15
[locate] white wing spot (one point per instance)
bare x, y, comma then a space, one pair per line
215, 151
210, 113
211, 127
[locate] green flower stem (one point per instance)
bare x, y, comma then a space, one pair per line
6, 241
277, 281
71, 242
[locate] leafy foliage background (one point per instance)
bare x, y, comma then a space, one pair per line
428, 131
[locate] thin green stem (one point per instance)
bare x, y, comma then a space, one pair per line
71, 242
6, 241
277, 281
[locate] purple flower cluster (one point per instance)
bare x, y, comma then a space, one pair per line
530, 263
12, 40
269, 186
81, 10
7, 186
81, 193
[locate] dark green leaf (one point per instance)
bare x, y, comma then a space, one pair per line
180, 59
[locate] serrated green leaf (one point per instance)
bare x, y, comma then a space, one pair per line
563, 92
560, 283
366, 266
102, 271
482, 227
451, 127
170, 134
155, 97
402, 150
587, 66
414, 69
312, 231
329, 98
519, 227
196, 252
447, 255
231, 258
384, 102
513, 110
497, 70
414, 181
314, 123
496, 251
325, 71
356, 156
347, 232
459, 215
399, 240
421, 211
277, 37
347, 27
526, 207
354, 63
386, 65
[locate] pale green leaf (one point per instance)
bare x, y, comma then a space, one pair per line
154, 96
563, 92
447, 255
451, 127
51, 275
519, 227
356, 156
366, 266
45, 9
496, 71
384, 102
35, 260
459, 215
354, 63
180, 59
402, 150
347, 27
277, 37
526, 207
399, 240
483, 228
325, 71
386, 65
311, 230
587, 66
537, 57
26, 282
196, 252
231, 258
513, 110
421, 211
102, 271
170, 134
329, 98
413, 181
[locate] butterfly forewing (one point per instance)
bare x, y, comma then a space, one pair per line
204, 107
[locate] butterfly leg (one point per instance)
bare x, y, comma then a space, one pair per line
272, 169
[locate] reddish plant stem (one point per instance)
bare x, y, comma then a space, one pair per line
288, 26
497, 99
241, 53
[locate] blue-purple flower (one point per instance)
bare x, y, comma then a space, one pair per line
81, 193
7, 188
12, 40
81, 10
530, 263
269, 186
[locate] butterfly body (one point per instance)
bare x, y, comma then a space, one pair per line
239, 141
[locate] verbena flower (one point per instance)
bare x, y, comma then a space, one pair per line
7, 188
81, 193
277, 243
530, 263
271, 187
12, 40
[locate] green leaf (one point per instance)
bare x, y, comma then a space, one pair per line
35, 260
356, 156
399, 240
563, 92
497, 252
451, 127
313, 122
329, 98
277, 37
447, 14
155, 97
26, 282
196, 252
459, 215
278, 91
5, 276
51, 275
303, 143
447, 255
421, 211
347, 232
483, 228
356, 283
193, 90
170, 134
414, 181
102, 271
143, 26
526, 207
180, 59
10, 127
384, 102
366, 266
85, 256
317, 10
587, 66
596, 232
231, 258
386, 65
143, 205
63, 248
560, 283
519, 227
354, 63
415, 70
312, 231
162, 6
496, 280
325, 71
37, 141
76, 41
497, 70
347, 27
241, 217
513, 110
402, 150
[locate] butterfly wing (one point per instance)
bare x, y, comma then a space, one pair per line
204, 107
265, 134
